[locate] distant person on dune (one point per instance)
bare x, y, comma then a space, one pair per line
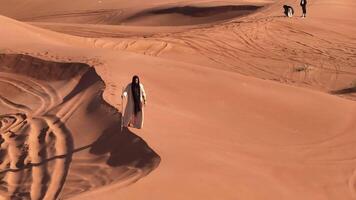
288, 11
136, 100
303, 3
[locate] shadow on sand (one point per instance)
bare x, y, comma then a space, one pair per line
345, 91
125, 149
190, 15
194, 11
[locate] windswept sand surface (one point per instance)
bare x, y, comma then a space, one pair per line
243, 103
54, 119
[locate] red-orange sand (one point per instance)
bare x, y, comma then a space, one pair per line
243, 103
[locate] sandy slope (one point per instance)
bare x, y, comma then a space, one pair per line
212, 132
315, 53
52, 140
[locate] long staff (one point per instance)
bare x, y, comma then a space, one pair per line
122, 108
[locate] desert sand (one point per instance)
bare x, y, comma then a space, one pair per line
243, 103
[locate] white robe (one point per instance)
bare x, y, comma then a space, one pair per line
129, 118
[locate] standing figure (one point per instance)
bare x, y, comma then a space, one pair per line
136, 99
303, 3
288, 11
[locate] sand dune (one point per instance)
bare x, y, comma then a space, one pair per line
241, 105
37, 145
264, 44
171, 16
189, 15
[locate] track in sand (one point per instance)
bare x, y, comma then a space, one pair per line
42, 156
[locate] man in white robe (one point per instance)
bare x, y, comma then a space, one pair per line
133, 115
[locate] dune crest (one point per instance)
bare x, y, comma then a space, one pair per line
242, 104
38, 145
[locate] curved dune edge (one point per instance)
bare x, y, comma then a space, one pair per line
159, 14
222, 135
189, 15
40, 142
144, 21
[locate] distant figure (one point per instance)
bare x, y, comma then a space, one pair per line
303, 3
288, 11
136, 99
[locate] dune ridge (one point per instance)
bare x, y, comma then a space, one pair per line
246, 108
37, 145
311, 54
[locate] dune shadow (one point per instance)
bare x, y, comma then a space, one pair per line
344, 91
120, 157
125, 149
88, 79
191, 14
204, 11
38, 68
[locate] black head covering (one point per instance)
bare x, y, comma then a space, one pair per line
286, 9
136, 94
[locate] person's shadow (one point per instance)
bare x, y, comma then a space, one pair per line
125, 149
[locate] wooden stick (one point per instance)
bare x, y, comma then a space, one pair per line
122, 108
